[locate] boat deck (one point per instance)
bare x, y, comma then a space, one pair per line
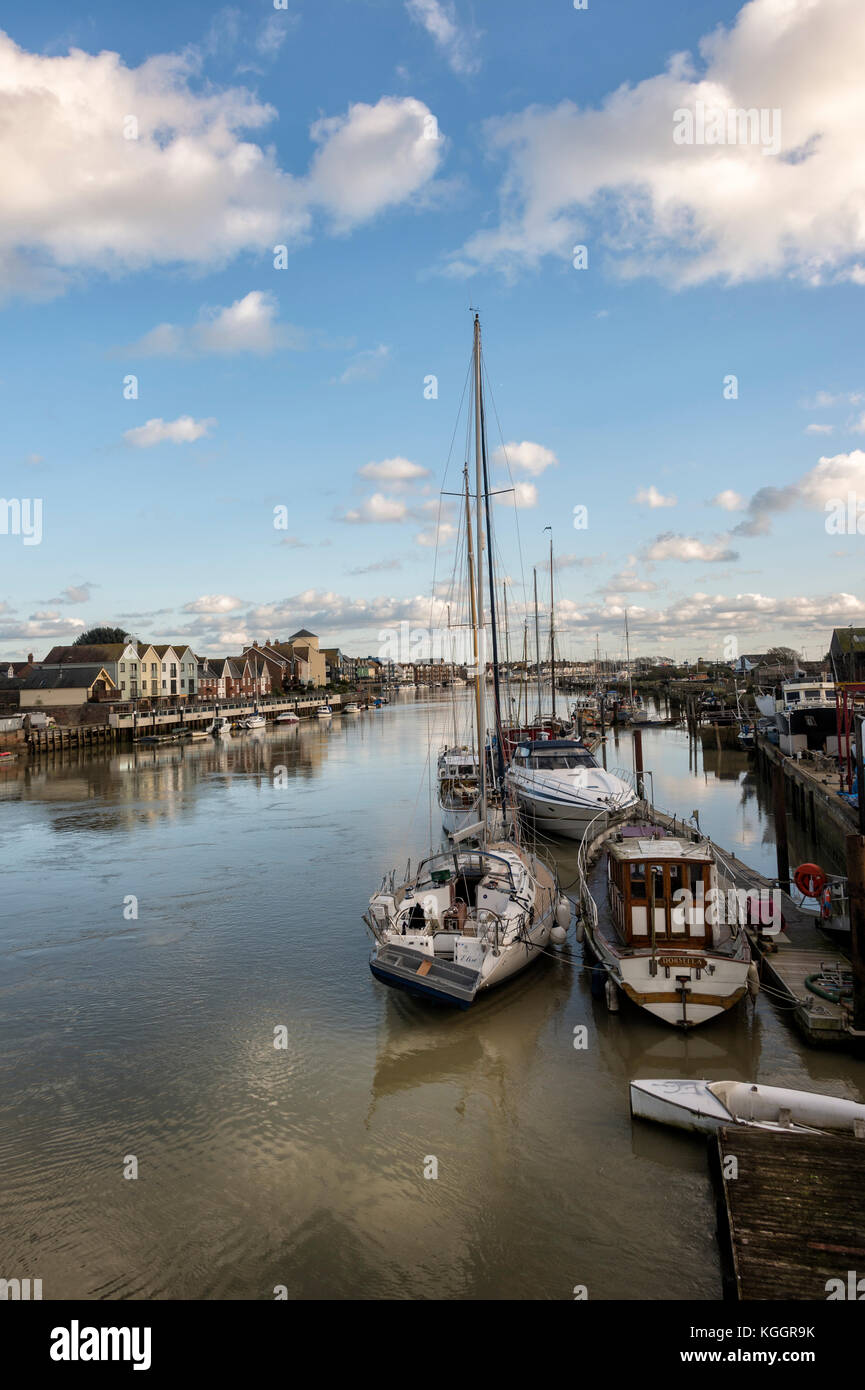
793, 1217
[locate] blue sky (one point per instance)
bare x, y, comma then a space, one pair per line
261, 387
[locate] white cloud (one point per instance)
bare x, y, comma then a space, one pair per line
248, 325
651, 497
521, 496
613, 177
670, 546
395, 470
191, 187
818, 429
832, 477
183, 430
378, 508
440, 535
366, 365
455, 43
627, 581
373, 158
213, 603
728, 501
525, 458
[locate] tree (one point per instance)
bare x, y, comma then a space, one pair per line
781, 656
101, 636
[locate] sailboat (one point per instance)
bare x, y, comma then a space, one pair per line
472, 916
557, 781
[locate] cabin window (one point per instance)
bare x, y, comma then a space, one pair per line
638, 880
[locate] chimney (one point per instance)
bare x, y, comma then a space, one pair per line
30, 657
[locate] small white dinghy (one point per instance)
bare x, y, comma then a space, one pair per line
705, 1106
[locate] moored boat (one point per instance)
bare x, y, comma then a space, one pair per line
324, 712
467, 920
705, 1106
558, 783
664, 920
289, 717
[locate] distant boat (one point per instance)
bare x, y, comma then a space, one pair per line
288, 718
352, 709
220, 728
705, 1106
324, 712
255, 721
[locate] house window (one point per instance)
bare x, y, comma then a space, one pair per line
163, 667
163, 685
123, 665
183, 685
123, 685
173, 669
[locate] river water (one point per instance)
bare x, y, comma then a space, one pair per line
149, 1040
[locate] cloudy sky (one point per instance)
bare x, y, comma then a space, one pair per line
237, 243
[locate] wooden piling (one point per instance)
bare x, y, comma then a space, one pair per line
856, 889
780, 812
638, 759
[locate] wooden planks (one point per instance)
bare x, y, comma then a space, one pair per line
793, 1216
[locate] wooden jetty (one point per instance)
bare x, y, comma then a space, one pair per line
788, 959
813, 789
791, 1213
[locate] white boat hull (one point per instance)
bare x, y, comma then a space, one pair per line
686, 996
704, 1107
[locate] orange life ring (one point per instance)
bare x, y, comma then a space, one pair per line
810, 880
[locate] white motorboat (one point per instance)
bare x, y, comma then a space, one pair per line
351, 709
467, 920
558, 783
796, 695
664, 920
705, 1106
324, 712
220, 728
288, 718
255, 721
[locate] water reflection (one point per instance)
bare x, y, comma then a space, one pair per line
251, 860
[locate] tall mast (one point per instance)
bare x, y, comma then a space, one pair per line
479, 477
628, 657
537, 644
552, 625
497, 693
474, 611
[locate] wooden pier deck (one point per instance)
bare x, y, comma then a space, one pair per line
786, 960
793, 1216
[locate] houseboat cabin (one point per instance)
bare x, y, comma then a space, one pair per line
645, 882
